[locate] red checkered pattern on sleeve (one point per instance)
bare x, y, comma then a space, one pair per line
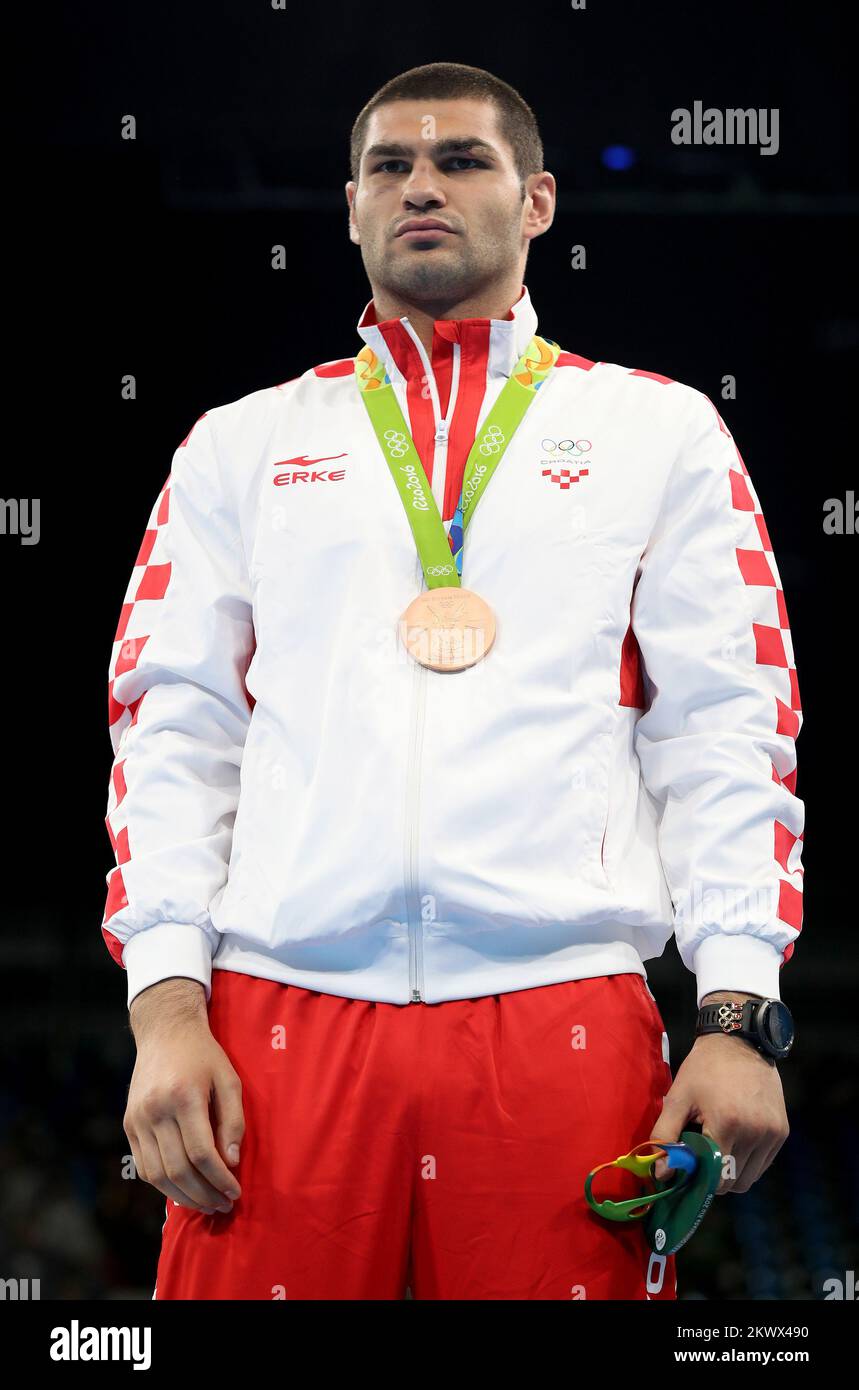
774, 654
147, 586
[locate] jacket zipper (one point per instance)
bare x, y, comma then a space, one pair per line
419, 680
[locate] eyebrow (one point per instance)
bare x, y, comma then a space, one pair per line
451, 145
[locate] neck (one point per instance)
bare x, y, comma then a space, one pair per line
492, 303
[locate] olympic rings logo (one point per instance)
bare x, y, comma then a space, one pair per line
575, 447
492, 440
440, 569
396, 443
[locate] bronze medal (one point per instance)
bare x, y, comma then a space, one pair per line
448, 628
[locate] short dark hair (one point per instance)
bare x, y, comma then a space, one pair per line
442, 81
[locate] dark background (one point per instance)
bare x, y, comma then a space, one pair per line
153, 257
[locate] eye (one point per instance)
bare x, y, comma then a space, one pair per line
386, 166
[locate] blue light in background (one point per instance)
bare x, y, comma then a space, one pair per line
618, 157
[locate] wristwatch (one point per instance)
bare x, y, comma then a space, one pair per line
766, 1023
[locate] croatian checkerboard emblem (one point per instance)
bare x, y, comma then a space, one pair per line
565, 461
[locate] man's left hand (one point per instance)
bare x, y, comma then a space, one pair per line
735, 1094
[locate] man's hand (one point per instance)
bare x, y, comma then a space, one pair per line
735, 1094
180, 1070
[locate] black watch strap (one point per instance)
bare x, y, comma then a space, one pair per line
750, 1019
725, 1016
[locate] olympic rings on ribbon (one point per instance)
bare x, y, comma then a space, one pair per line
396, 443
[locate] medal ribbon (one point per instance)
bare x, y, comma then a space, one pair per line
440, 554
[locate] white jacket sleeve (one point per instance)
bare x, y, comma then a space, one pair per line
179, 715
717, 743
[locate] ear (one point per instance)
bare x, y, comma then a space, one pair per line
540, 199
351, 190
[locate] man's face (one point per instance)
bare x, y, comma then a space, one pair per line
444, 162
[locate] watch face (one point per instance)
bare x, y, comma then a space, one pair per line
777, 1026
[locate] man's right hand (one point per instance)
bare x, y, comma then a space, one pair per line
181, 1070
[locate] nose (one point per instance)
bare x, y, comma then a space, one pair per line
422, 188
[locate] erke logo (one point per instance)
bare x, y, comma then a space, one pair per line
302, 475
558, 456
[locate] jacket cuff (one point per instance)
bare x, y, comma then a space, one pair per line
165, 951
736, 960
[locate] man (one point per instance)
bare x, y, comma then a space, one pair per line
428, 858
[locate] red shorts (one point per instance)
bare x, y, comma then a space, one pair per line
439, 1147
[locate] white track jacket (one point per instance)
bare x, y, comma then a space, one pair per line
294, 797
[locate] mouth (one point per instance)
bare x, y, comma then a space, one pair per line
417, 231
